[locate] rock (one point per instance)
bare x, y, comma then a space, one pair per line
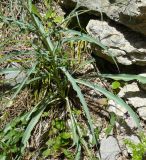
130, 13
129, 90
116, 108
134, 97
130, 123
125, 46
15, 77
109, 148
143, 86
137, 102
121, 112
120, 139
142, 112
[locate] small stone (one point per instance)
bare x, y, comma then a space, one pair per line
137, 102
136, 98
116, 108
121, 143
142, 112
109, 148
129, 90
131, 123
143, 86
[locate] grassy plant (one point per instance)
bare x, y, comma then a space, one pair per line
138, 149
56, 92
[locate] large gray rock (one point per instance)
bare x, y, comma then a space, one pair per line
130, 13
125, 46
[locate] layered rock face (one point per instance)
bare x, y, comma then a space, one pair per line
131, 13
123, 31
125, 46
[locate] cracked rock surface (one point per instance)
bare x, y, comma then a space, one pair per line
131, 13
127, 47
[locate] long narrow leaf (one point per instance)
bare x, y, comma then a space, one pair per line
42, 32
74, 131
73, 125
34, 121
125, 77
35, 11
82, 100
113, 97
30, 127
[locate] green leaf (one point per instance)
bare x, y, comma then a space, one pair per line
125, 77
108, 129
112, 123
113, 97
58, 19
81, 36
29, 5
59, 124
35, 11
34, 121
65, 135
73, 125
50, 142
1, 24
48, 14
68, 154
47, 152
30, 126
112, 119
83, 102
13, 54
3, 157
78, 153
115, 85
42, 32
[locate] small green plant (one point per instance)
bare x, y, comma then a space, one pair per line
10, 137
138, 149
60, 142
116, 85
112, 123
